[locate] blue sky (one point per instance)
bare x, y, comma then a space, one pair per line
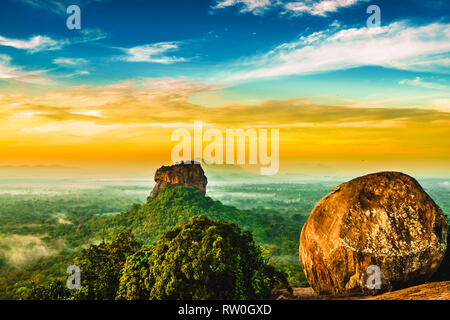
235, 44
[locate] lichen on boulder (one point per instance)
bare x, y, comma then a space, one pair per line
383, 220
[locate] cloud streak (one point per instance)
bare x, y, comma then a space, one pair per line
256, 7
57, 6
70, 62
294, 8
419, 82
153, 53
44, 43
398, 45
318, 8
34, 44
163, 101
11, 72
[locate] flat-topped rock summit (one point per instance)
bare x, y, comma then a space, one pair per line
187, 174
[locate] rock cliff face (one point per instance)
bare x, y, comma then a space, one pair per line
184, 174
383, 220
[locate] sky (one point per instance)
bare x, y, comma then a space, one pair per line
343, 94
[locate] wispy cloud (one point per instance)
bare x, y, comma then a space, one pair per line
80, 128
44, 43
49, 5
69, 62
318, 8
155, 53
57, 6
257, 7
146, 98
34, 44
76, 66
90, 34
260, 7
442, 105
419, 82
10, 72
76, 74
398, 45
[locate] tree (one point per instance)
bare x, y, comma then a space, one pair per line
55, 290
101, 266
2, 261
200, 259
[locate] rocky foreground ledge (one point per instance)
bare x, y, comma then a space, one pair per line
428, 291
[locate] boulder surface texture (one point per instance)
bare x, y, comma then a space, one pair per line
373, 234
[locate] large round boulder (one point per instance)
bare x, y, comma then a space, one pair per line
373, 234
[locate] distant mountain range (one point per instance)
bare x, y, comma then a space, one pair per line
40, 171
215, 173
